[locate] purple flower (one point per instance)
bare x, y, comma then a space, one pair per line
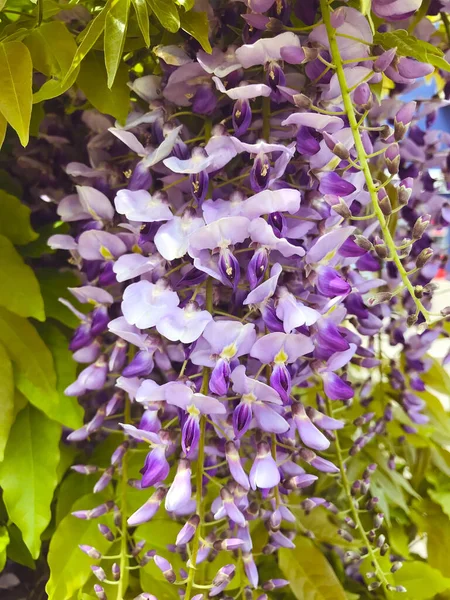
264, 473
145, 303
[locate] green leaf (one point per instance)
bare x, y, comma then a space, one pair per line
32, 361
19, 291
15, 220
4, 541
186, 4
54, 285
3, 127
68, 412
89, 36
167, 14
421, 581
408, 45
442, 498
16, 70
69, 567
6, 398
93, 82
197, 25
437, 377
116, 25
71, 489
430, 520
28, 474
52, 48
17, 550
309, 573
140, 6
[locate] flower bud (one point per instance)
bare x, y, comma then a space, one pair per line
100, 592
336, 148
404, 191
345, 535
104, 480
384, 60
115, 570
274, 584
106, 532
363, 242
392, 157
424, 257
379, 298
396, 588
384, 202
396, 566
381, 249
90, 551
166, 568
341, 208
420, 226
362, 96
403, 119
411, 320
98, 572
373, 586
302, 101
84, 469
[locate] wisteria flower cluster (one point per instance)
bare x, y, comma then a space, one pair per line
256, 248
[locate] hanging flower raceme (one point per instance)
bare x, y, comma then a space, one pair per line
268, 242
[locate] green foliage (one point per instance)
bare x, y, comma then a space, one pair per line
408, 45
16, 70
309, 572
31, 459
32, 361
97, 59
15, 220
69, 568
421, 581
19, 291
6, 398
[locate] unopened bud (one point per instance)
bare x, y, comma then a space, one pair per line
420, 226
274, 584
396, 566
379, 298
147, 558
373, 586
424, 257
342, 209
90, 551
378, 520
302, 101
386, 133
336, 147
345, 535
84, 469
98, 572
100, 592
392, 157
384, 549
115, 570
403, 119
396, 588
106, 532
404, 191
363, 242
411, 320
350, 522
381, 250
384, 203
166, 568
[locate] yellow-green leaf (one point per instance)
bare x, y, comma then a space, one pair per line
196, 24
28, 474
142, 16
69, 567
89, 36
421, 581
52, 48
115, 34
309, 573
167, 14
32, 361
19, 290
15, 220
3, 126
4, 541
16, 70
68, 411
6, 398
93, 82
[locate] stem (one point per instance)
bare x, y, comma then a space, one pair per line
266, 118
362, 156
123, 508
355, 514
200, 467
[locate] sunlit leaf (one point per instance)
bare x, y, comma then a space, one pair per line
16, 69
167, 14
32, 361
421, 581
309, 573
140, 6
93, 82
19, 291
28, 474
408, 45
115, 34
197, 25
52, 48
15, 220
6, 398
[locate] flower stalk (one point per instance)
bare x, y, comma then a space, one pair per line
362, 156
